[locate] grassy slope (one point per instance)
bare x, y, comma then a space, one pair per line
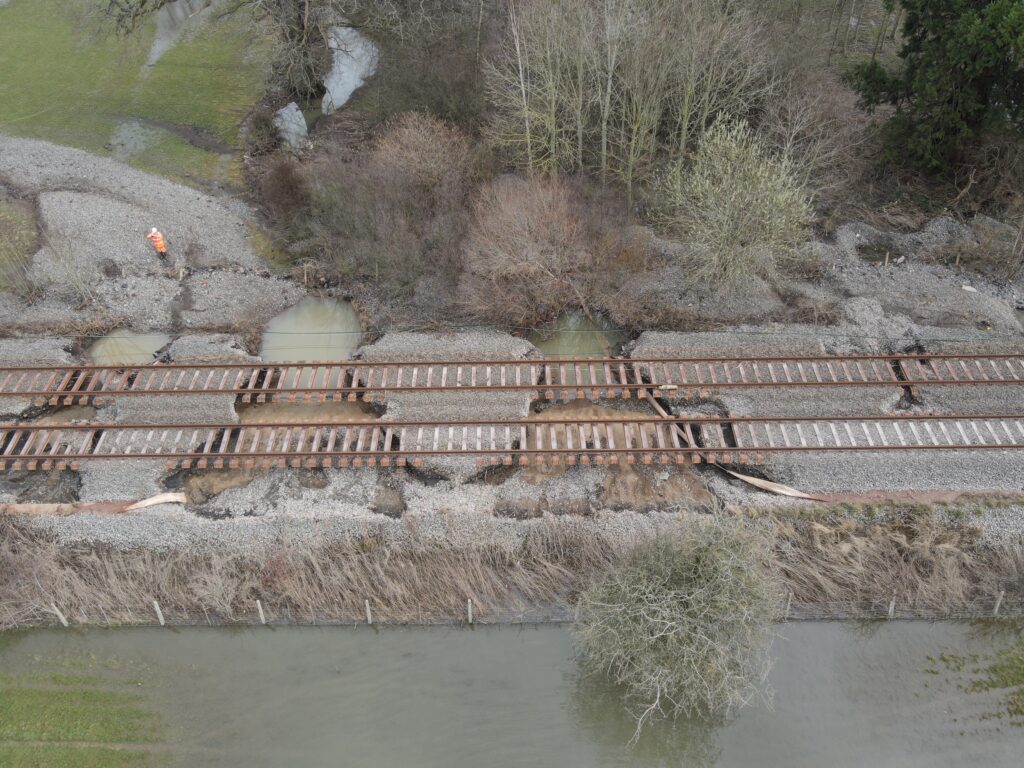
59, 83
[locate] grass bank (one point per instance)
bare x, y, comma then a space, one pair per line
61, 81
829, 568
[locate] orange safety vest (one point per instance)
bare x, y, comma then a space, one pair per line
158, 241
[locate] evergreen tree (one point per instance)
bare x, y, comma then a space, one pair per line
962, 78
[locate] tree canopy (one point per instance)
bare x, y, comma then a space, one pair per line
962, 78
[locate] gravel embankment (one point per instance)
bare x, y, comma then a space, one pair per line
96, 264
169, 527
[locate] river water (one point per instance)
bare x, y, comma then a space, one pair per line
460, 698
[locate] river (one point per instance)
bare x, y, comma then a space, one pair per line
844, 695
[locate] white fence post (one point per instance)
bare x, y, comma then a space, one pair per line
892, 606
369, 616
789, 604
60, 616
159, 613
999, 602
469, 609
259, 607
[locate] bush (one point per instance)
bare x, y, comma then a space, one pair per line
525, 258
684, 623
742, 209
393, 214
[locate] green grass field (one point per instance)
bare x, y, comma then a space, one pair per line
56, 720
60, 80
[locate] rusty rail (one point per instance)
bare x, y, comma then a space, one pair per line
725, 440
548, 379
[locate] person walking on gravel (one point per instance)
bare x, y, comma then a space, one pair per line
156, 237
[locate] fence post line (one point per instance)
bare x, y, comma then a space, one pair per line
469, 609
369, 616
259, 607
892, 606
159, 613
999, 602
60, 616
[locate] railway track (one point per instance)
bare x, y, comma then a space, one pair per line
548, 379
726, 440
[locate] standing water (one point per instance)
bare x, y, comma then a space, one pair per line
845, 696
574, 334
314, 329
128, 348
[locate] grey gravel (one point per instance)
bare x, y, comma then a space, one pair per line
224, 299
927, 293
120, 480
209, 348
188, 218
171, 527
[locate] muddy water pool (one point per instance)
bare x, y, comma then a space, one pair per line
314, 329
845, 695
574, 334
123, 346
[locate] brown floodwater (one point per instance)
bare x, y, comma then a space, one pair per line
844, 695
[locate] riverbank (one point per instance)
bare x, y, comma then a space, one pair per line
460, 568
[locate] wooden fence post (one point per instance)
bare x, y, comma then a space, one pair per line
159, 613
469, 610
259, 607
369, 616
892, 606
999, 602
60, 616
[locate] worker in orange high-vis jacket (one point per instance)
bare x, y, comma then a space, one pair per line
157, 239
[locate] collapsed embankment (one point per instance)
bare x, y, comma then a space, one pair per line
905, 563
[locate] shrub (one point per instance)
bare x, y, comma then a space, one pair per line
742, 209
392, 214
683, 623
525, 257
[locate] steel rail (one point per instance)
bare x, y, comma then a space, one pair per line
666, 440
551, 379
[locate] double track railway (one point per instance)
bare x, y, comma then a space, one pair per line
632, 438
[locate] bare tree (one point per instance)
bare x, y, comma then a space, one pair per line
615, 84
